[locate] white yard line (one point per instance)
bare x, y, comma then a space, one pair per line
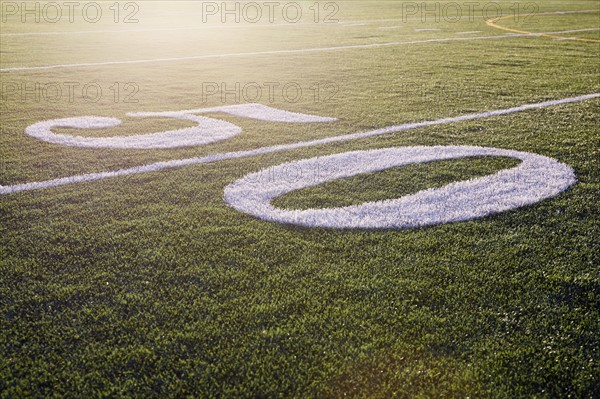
573, 31
282, 147
468, 32
269, 52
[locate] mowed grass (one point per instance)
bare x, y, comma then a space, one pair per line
380, 185
150, 285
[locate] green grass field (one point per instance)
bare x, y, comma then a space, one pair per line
152, 285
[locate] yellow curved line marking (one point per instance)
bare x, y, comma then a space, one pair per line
492, 23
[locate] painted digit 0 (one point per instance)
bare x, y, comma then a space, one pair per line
535, 179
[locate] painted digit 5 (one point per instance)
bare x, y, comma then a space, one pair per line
206, 131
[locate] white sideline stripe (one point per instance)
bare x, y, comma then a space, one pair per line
468, 32
427, 30
270, 52
282, 147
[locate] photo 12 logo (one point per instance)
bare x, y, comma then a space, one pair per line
71, 11
52, 92
269, 11
466, 11
268, 92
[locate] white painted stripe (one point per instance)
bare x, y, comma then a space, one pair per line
318, 49
426, 30
468, 32
390, 27
277, 148
269, 52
